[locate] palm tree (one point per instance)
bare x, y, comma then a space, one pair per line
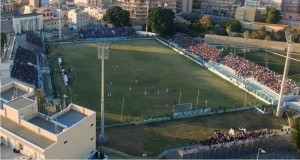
228, 30
267, 39
246, 35
40, 100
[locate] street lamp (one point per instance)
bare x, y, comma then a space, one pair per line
103, 51
288, 36
70, 94
262, 151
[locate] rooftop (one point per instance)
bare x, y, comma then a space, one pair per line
70, 117
47, 125
27, 15
25, 133
12, 93
20, 103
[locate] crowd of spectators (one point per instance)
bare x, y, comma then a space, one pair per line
197, 47
241, 66
24, 68
263, 75
34, 39
106, 32
223, 138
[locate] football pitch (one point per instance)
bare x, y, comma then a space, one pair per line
145, 79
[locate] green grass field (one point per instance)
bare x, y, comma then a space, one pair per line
156, 137
275, 62
156, 67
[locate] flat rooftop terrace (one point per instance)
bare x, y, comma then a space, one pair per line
20, 103
47, 125
25, 133
70, 117
12, 93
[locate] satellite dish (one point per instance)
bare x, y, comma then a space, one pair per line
165, 4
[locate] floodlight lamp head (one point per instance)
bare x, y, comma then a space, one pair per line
288, 36
103, 50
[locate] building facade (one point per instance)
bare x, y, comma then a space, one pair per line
249, 14
226, 7
252, 3
96, 13
28, 22
184, 6
35, 3
77, 19
8, 6
69, 134
290, 10
138, 8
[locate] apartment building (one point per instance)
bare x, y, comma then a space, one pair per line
184, 6
50, 21
249, 14
35, 3
252, 3
69, 134
138, 8
221, 6
96, 13
91, 3
290, 10
77, 19
8, 6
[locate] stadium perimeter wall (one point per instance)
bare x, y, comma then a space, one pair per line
251, 42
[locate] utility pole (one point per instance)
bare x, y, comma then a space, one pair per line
59, 20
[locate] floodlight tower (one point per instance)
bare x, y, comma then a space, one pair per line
103, 51
147, 16
288, 36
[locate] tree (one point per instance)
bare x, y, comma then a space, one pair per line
161, 20
117, 16
220, 30
40, 100
206, 22
280, 36
3, 43
180, 27
246, 35
234, 25
295, 134
273, 15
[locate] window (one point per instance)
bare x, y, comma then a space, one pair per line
65, 142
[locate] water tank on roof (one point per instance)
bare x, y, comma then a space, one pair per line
22, 116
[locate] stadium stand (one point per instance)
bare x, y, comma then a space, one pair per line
242, 67
197, 47
24, 68
34, 39
265, 76
106, 32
